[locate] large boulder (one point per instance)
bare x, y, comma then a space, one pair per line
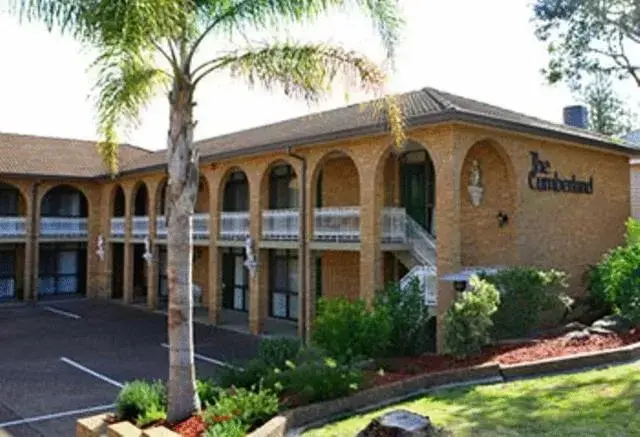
613, 323
401, 423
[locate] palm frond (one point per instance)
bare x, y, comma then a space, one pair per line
232, 16
125, 86
308, 71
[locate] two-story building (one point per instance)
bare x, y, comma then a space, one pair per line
331, 208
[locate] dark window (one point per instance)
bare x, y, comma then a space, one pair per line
62, 269
7, 274
9, 199
64, 202
281, 193
283, 284
236, 193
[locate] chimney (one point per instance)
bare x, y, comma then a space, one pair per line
576, 116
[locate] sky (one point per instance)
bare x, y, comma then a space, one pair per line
482, 50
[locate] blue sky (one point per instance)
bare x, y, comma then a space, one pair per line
483, 50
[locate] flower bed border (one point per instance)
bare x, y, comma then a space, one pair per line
331, 410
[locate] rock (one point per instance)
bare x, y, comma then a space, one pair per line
613, 323
401, 423
577, 336
600, 331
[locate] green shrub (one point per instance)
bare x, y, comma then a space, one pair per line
140, 399
349, 331
468, 322
411, 327
274, 352
614, 281
632, 234
208, 392
228, 428
525, 293
254, 371
150, 416
316, 380
250, 408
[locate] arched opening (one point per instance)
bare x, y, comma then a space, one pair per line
336, 219
487, 206
161, 236
63, 264
234, 225
140, 200
140, 231
201, 248
13, 209
118, 210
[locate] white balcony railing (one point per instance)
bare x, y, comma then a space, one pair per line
118, 227
13, 227
74, 227
336, 224
281, 224
234, 225
200, 225
161, 228
394, 225
139, 226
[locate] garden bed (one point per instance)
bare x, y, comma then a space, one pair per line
526, 352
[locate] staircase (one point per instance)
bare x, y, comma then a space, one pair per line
420, 259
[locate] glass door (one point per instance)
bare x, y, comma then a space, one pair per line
235, 280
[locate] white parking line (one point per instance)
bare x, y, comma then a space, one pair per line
91, 372
56, 415
209, 360
62, 313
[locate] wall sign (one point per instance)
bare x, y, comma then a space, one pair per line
541, 179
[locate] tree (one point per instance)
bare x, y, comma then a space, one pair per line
147, 46
589, 36
608, 113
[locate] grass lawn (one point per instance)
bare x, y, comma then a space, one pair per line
601, 403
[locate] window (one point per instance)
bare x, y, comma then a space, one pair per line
63, 202
8, 202
281, 193
236, 193
61, 269
283, 287
7, 275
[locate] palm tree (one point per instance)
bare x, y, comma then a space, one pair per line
147, 46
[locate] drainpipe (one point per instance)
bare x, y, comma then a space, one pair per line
34, 240
303, 243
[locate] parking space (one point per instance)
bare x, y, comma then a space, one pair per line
64, 360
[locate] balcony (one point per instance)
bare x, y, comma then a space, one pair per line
281, 224
234, 225
64, 227
117, 227
340, 224
161, 228
139, 226
13, 227
394, 225
200, 225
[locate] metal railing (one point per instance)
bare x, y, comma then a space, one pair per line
423, 245
161, 228
394, 225
336, 224
200, 226
13, 227
118, 227
139, 226
74, 227
427, 280
281, 224
234, 225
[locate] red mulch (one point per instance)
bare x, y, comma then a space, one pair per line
192, 427
549, 347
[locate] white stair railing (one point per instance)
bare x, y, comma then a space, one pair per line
234, 225
281, 224
423, 245
394, 225
427, 281
336, 223
13, 227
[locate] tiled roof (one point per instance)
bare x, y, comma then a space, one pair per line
57, 157
424, 106
53, 156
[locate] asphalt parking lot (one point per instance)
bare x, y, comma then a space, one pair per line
66, 359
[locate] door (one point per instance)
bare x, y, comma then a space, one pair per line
7, 275
414, 193
235, 281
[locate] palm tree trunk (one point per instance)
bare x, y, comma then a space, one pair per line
182, 189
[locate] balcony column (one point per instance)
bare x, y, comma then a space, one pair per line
258, 282
106, 265
214, 303
447, 157
152, 267
127, 295
96, 223
30, 280
371, 200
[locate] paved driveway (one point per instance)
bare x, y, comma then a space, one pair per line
64, 360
